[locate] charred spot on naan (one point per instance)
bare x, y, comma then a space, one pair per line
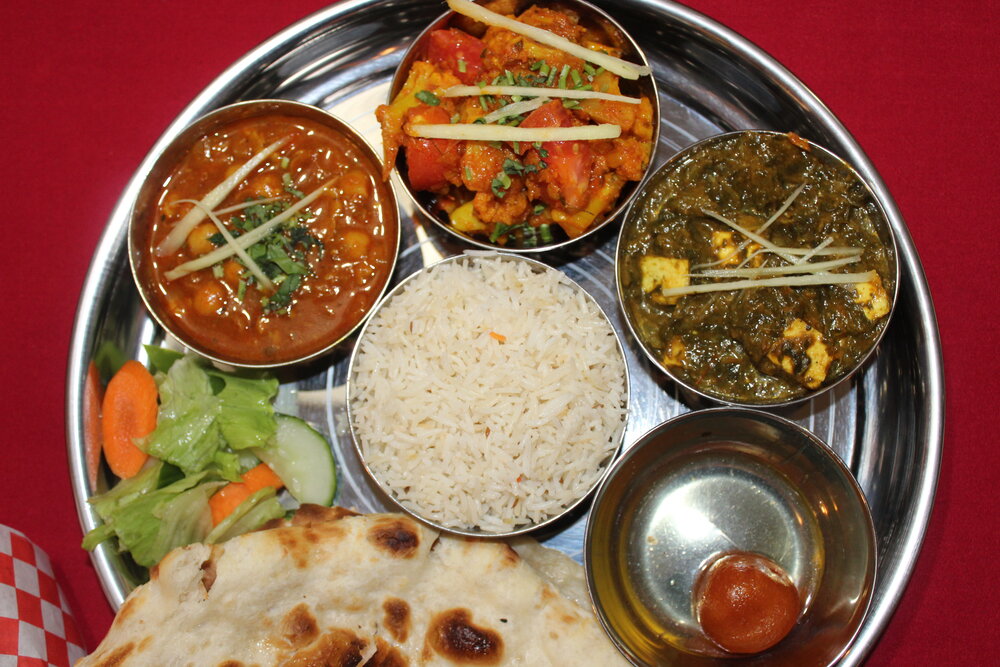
116, 657
299, 627
452, 634
400, 537
339, 647
231, 663
386, 655
208, 572
126, 609
397, 618
308, 515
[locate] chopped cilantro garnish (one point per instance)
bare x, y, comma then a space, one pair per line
500, 184
282, 298
427, 97
545, 231
286, 181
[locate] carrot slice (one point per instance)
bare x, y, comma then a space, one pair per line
92, 397
224, 501
260, 476
229, 497
128, 411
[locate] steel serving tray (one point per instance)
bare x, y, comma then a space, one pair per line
886, 424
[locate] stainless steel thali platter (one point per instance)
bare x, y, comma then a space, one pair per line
886, 425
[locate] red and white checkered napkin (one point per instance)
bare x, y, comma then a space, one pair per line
36, 625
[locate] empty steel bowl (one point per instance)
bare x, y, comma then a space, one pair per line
335, 324
716, 481
590, 16
741, 347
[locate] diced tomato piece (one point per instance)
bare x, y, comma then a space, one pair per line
570, 162
430, 162
447, 47
550, 114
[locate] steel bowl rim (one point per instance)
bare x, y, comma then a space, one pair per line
752, 414
350, 387
614, 216
826, 155
218, 117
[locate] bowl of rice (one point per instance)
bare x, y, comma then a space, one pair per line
488, 395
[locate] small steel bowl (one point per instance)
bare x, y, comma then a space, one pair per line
139, 229
646, 85
649, 200
386, 490
715, 481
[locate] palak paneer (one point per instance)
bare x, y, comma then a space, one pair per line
756, 268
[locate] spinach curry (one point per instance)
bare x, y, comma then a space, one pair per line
755, 270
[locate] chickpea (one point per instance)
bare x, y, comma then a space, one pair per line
355, 243
197, 240
210, 298
231, 272
263, 186
355, 183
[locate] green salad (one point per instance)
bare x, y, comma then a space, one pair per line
212, 427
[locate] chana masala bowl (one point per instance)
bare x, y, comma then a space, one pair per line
264, 235
521, 125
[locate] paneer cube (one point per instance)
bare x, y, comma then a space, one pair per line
802, 354
674, 355
725, 248
873, 298
660, 273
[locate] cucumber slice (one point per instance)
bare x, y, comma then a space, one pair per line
302, 458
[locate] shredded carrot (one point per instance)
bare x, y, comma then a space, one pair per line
92, 396
128, 412
232, 495
498, 337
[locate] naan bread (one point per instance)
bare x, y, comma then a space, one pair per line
335, 588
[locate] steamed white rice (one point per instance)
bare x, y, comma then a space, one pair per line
486, 395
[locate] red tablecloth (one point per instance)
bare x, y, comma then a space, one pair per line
88, 86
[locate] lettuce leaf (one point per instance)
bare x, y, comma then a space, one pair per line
246, 415
149, 522
205, 414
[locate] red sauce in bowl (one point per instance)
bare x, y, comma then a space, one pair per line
338, 253
745, 602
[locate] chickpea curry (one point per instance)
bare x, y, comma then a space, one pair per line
755, 271
517, 194
269, 241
